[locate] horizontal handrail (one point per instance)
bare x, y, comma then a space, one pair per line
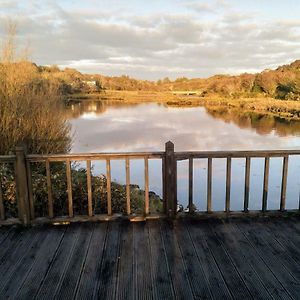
234, 154
94, 156
7, 158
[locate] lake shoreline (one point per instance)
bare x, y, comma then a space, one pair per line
285, 109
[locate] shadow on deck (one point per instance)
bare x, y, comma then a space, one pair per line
186, 259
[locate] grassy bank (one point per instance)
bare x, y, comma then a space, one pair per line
280, 108
286, 109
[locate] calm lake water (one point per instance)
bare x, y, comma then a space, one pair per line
112, 127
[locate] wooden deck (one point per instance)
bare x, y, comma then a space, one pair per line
184, 259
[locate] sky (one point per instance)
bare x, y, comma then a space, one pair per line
156, 39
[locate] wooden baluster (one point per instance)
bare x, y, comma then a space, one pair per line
247, 184
228, 184
69, 186
49, 190
89, 187
30, 191
266, 184
108, 187
2, 210
209, 183
284, 182
128, 186
163, 179
146, 186
191, 203
170, 179
22, 186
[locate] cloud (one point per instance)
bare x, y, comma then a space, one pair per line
201, 7
153, 44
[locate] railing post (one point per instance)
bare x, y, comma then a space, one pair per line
170, 182
22, 186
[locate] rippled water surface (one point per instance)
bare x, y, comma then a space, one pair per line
112, 127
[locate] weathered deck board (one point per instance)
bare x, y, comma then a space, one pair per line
230, 274
142, 267
109, 268
60, 261
177, 268
35, 274
162, 284
125, 267
237, 238
67, 288
90, 273
158, 259
216, 281
273, 261
246, 270
195, 272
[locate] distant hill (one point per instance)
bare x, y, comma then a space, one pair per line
281, 83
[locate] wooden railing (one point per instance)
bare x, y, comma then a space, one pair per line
247, 155
25, 200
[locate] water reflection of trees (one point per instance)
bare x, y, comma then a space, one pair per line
76, 108
262, 123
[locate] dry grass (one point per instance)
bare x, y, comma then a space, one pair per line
29, 106
282, 108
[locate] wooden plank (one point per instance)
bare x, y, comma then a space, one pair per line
30, 190
2, 210
291, 228
7, 158
235, 237
12, 259
231, 276
69, 187
285, 233
9, 240
128, 207
234, 154
30, 282
92, 266
191, 204
19, 266
108, 187
107, 277
228, 184
246, 271
146, 186
92, 156
278, 248
177, 268
142, 273
60, 263
22, 186
170, 179
67, 286
247, 184
164, 188
283, 183
199, 281
218, 287
49, 190
257, 239
125, 279
266, 184
89, 187
209, 183
162, 283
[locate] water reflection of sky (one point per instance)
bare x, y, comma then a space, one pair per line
146, 127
